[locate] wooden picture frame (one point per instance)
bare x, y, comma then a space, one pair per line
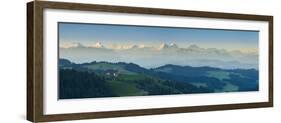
35, 60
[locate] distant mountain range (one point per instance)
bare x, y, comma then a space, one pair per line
152, 57
106, 79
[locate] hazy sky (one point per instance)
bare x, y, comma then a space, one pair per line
133, 35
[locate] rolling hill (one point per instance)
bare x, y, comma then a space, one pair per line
105, 79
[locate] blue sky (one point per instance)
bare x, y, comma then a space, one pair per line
129, 35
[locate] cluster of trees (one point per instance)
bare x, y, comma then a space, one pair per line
78, 84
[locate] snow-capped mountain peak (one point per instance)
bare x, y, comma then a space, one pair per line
163, 46
141, 46
166, 46
97, 45
173, 45
71, 45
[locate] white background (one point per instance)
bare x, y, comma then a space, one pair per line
13, 61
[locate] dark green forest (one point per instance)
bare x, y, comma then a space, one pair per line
104, 79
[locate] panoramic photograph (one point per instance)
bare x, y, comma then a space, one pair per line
106, 60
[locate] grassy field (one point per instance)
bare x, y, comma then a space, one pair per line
218, 74
122, 88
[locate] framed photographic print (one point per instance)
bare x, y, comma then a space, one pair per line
96, 61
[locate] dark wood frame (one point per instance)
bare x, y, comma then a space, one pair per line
35, 60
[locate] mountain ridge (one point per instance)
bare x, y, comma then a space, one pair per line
161, 54
62, 60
